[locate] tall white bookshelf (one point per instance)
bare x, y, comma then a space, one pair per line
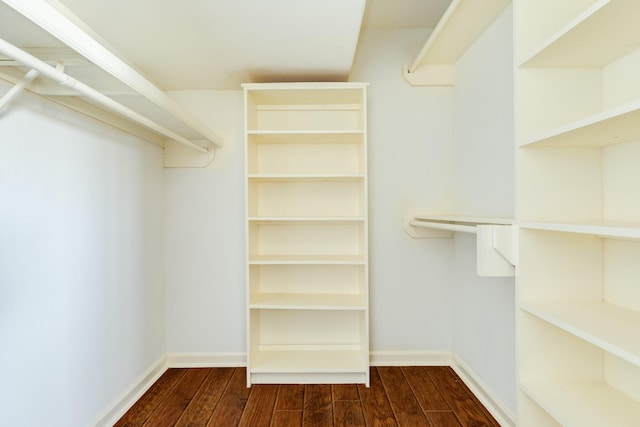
306, 227
578, 130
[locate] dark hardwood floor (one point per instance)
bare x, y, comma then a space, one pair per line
398, 396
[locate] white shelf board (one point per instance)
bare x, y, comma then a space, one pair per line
613, 126
305, 93
318, 259
305, 177
282, 301
460, 26
611, 230
601, 34
444, 225
460, 219
305, 136
303, 219
613, 329
308, 361
584, 404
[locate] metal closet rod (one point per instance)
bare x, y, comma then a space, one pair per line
63, 79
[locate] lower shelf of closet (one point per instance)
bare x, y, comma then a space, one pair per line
316, 366
583, 404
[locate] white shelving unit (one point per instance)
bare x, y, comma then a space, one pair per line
461, 25
577, 99
307, 244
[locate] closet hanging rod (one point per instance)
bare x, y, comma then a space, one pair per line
448, 226
17, 88
63, 79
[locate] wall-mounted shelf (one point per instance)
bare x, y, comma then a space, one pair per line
122, 97
459, 27
496, 238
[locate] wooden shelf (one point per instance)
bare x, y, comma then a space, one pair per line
305, 178
584, 404
278, 94
613, 126
306, 136
460, 26
306, 194
468, 220
319, 259
601, 34
610, 230
307, 220
282, 301
309, 360
610, 328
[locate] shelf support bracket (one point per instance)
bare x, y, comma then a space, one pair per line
496, 250
17, 88
496, 244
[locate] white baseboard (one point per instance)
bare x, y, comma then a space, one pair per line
410, 358
206, 360
377, 358
502, 415
117, 409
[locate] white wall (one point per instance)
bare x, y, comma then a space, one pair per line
81, 286
204, 226
409, 171
483, 185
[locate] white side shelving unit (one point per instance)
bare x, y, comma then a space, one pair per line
121, 96
577, 99
307, 256
462, 23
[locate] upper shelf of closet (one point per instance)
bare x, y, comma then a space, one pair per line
462, 23
80, 71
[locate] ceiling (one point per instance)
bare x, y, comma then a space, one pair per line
218, 44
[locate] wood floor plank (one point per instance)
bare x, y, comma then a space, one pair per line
206, 398
231, 405
375, 405
318, 411
290, 397
464, 405
174, 405
403, 402
287, 418
345, 392
259, 408
443, 419
144, 407
424, 389
348, 413
398, 397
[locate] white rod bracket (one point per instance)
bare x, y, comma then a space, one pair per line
17, 88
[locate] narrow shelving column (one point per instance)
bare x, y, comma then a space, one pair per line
307, 244
577, 102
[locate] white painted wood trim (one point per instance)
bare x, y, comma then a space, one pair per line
119, 406
206, 360
410, 358
503, 415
